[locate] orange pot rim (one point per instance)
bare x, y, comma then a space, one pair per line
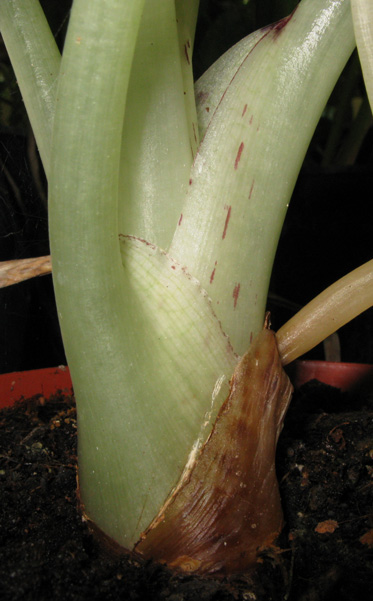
44, 382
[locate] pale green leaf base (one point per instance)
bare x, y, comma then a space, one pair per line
134, 444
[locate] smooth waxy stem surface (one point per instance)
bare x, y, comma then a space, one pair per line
158, 146
227, 504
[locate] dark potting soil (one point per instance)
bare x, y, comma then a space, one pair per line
325, 467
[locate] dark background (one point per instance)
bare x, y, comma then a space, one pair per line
327, 230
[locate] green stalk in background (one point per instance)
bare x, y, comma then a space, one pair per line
36, 61
161, 266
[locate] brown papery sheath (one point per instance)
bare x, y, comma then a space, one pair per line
227, 507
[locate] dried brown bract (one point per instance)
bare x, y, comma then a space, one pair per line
229, 505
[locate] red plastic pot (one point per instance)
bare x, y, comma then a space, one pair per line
346, 376
25, 384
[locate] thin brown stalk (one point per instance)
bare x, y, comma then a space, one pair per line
18, 270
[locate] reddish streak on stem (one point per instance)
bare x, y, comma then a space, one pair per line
251, 120
181, 218
244, 110
236, 292
226, 220
251, 189
186, 53
213, 273
238, 155
194, 132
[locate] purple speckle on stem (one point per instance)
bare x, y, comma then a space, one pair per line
279, 26
239, 153
244, 110
229, 209
181, 218
186, 53
202, 96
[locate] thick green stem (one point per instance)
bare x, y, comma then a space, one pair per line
248, 162
87, 267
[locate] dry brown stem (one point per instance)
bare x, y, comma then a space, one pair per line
18, 270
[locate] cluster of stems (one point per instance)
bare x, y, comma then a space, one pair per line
166, 202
